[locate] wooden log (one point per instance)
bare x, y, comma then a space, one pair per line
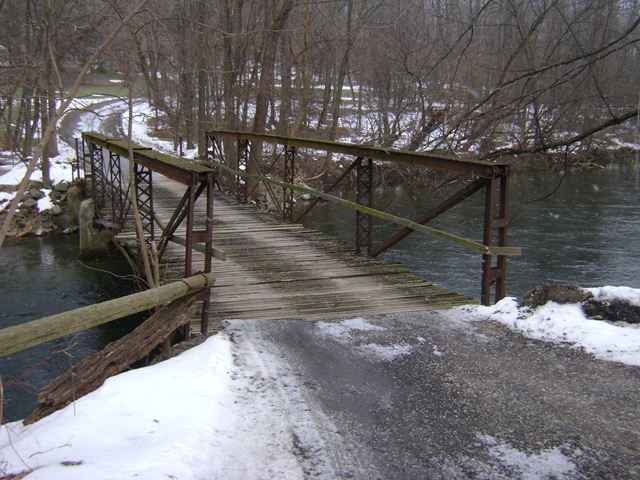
91, 372
20, 337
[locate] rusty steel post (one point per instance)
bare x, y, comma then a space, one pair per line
86, 157
117, 193
188, 254
75, 168
144, 193
364, 196
208, 249
289, 177
98, 186
501, 224
243, 161
487, 239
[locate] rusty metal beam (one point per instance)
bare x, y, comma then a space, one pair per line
314, 202
429, 160
450, 202
178, 169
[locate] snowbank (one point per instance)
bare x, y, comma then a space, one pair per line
568, 324
141, 132
198, 415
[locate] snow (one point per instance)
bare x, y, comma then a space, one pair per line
342, 330
203, 414
385, 353
141, 132
5, 199
45, 202
60, 168
609, 294
567, 324
547, 463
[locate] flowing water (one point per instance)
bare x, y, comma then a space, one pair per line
585, 232
41, 277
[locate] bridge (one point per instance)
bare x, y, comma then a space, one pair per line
196, 216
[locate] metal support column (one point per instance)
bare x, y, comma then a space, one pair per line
208, 252
86, 157
495, 228
188, 247
75, 168
144, 194
117, 192
487, 239
98, 182
364, 196
243, 162
289, 177
500, 223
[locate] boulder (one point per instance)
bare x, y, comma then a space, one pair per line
55, 210
612, 311
36, 193
61, 187
28, 204
553, 292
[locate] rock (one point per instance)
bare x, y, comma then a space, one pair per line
553, 292
36, 184
73, 198
613, 311
92, 239
36, 193
61, 187
55, 210
28, 204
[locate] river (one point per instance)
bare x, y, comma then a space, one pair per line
585, 233
43, 276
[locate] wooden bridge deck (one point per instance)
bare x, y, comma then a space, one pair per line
276, 270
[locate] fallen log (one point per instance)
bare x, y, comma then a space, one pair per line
91, 372
20, 337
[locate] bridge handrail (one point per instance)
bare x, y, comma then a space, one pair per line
469, 244
422, 159
20, 337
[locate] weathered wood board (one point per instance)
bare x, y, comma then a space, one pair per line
276, 270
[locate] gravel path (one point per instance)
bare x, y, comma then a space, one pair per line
428, 396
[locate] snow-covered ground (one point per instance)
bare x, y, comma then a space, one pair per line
567, 324
60, 165
142, 134
208, 413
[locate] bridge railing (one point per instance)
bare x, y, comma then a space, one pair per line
238, 156
111, 192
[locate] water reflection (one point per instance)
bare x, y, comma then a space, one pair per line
40, 277
584, 233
